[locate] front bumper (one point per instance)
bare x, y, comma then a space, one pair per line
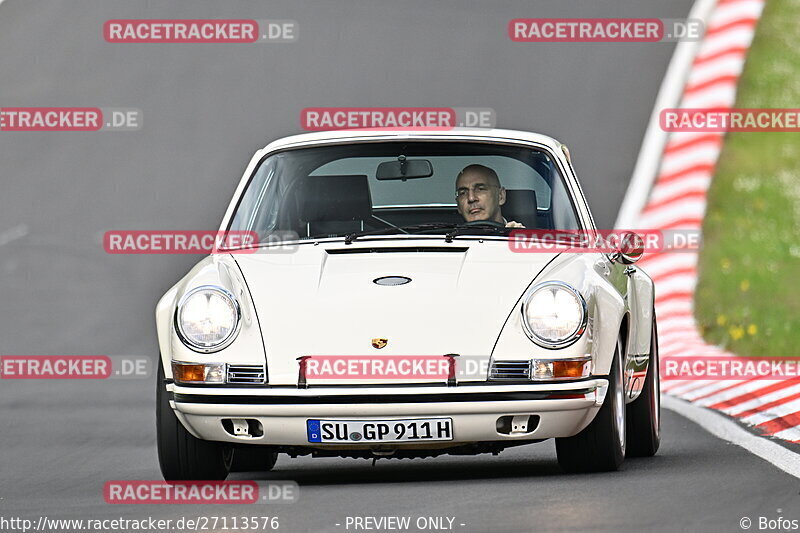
563, 410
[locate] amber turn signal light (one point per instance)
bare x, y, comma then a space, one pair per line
190, 373
549, 369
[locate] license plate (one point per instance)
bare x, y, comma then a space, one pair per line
361, 431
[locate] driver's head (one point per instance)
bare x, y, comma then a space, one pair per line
479, 194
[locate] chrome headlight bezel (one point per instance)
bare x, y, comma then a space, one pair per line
567, 340
225, 342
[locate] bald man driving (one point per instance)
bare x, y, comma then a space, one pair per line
479, 196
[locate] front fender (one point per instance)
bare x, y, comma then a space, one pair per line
588, 273
640, 301
220, 270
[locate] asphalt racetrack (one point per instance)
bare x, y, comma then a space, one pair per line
206, 109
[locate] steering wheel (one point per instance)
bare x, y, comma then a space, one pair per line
485, 223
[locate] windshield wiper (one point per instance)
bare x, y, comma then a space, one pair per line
350, 237
481, 226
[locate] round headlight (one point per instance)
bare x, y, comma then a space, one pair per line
207, 318
554, 315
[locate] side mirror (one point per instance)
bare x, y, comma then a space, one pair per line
629, 249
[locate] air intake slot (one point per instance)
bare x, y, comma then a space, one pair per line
510, 370
243, 427
398, 250
247, 374
517, 424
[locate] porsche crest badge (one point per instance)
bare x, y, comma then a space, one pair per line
379, 343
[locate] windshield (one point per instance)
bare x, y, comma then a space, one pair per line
404, 188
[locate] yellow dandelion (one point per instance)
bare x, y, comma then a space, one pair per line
752, 329
722, 320
744, 286
736, 332
725, 264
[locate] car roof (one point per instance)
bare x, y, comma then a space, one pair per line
354, 135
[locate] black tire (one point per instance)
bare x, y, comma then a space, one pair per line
253, 459
644, 413
600, 447
181, 455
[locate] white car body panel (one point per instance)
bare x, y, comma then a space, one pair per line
431, 315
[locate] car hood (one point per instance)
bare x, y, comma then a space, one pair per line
322, 299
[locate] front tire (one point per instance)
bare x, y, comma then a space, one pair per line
600, 447
181, 455
644, 414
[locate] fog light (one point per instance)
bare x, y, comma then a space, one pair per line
553, 369
208, 373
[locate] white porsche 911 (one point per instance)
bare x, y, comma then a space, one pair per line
386, 311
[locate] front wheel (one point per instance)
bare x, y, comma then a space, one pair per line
181, 455
600, 447
644, 414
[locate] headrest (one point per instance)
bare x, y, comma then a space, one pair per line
335, 198
520, 207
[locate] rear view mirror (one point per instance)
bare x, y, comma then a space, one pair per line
404, 169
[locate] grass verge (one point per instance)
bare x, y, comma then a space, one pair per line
748, 295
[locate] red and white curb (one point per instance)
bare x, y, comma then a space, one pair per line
677, 200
